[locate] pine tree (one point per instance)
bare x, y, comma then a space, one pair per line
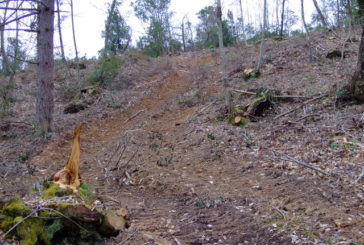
117, 32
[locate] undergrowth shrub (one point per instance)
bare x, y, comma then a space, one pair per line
6, 98
105, 71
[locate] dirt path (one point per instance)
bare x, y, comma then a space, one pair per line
182, 186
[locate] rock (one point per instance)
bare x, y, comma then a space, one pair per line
113, 222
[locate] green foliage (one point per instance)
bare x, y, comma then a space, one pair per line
117, 32
207, 29
15, 49
52, 229
52, 190
105, 71
156, 13
23, 156
210, 136
6, 97
86, 192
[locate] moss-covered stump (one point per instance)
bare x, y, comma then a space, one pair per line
260, 103
250, 73
236, 117
55, 216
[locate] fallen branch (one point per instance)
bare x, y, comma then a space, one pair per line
360, 179
11, 122
244, 92
298, 107
134, 116
307, 165
132, 157
274, 96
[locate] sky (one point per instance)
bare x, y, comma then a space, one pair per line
90, 18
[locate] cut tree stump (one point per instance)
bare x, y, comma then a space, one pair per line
69, 176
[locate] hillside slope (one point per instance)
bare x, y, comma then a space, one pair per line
188, 177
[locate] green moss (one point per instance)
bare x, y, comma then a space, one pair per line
31, 232
6, 222
16, 208
63, 205
53, 190
52, 229
85, 192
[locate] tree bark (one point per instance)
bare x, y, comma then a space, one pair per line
358, 78
227, 92
183, 35
321, 16
262, 44
107, 25
74, 32
60, 31
242, 22
282, 19
45, 101
5, 61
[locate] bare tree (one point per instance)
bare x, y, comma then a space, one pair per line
282, 18
45, 101
5, 61
73, 31
321, 16
60, 30
358, 78
227, 92
262, 43
183, 29
242, 21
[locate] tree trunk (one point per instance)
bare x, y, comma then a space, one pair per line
304, 19
5, 61
321, 16
282, 18
60, 31
45, 102
358, 78
74, 32
107, 25
262, 44
306, 29
242, 21
227, 92
338, 21
183, 35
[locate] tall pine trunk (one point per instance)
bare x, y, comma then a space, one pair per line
262, 44
5, 61
242, 22
227, 92
45, 102
321, 16
358, 78
60, 31
282, 19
